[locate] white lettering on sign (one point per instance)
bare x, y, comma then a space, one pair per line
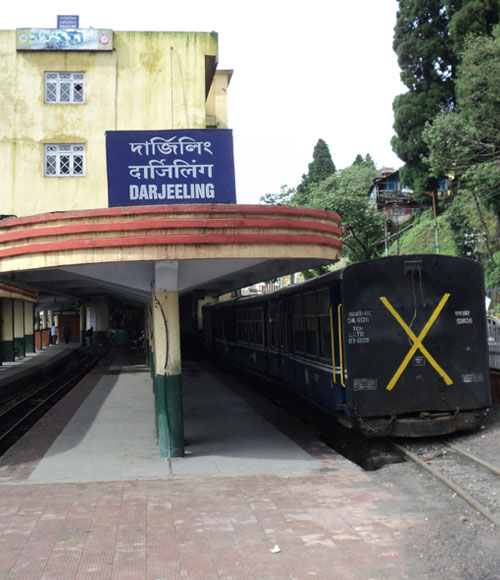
356, 319
172, 191
161, 146
463, 317
365, 384
176, 170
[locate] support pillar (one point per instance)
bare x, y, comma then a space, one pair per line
7, 329
19, 338
29, 326
83, 327
167, 373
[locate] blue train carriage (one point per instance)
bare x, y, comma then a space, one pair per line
415, 359
234, 330
310, 358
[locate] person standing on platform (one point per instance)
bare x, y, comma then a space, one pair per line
53, 334
89, 334
66, 333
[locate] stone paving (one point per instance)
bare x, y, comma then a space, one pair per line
331, 522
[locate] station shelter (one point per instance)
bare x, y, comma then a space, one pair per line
118, 210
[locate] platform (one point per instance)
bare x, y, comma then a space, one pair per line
34, 361
84, 495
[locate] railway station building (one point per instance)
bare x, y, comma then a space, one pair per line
118, 207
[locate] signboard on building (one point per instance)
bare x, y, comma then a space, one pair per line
170, 167
64, 39
67, 21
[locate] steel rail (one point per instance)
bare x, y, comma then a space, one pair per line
458, 490
47, 385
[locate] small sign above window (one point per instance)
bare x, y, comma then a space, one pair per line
67, 21
90, 39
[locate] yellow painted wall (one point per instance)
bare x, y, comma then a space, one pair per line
150, 81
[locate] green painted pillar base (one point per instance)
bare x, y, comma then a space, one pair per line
169, 415
29, 341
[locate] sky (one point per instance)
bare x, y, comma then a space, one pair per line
303, 71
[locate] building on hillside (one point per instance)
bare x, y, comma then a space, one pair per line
388, 194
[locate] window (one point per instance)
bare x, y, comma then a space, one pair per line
274, 325
250, 326
64, 87
311, 323
325, 345
64, 160
299, 338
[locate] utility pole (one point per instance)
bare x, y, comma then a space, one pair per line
436, 236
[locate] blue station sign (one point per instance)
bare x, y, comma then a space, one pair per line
170, 167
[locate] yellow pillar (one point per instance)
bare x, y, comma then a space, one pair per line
29, 326
167, 373
19, 345
83, 320
7, 328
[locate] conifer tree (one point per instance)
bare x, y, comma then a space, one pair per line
429, 38
321, 167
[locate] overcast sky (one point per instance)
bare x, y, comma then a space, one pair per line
303, 70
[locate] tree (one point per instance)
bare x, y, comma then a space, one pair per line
470, 18
346, 194
284, 197
429, 37
465, 142
321, 167
426, 60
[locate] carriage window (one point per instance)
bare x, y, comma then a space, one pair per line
311, 323
273, 326
249, 326
229, 325
298, 324
325, 348
258, 325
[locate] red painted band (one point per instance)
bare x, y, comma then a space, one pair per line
199, 240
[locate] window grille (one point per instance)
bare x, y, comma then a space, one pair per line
64, 87
64, 160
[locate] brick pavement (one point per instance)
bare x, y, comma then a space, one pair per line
326, 526
335, 523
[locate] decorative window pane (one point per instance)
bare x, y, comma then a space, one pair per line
64, 160
64, 87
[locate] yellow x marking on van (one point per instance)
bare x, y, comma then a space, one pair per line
417, 341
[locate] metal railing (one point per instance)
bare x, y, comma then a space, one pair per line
493, 326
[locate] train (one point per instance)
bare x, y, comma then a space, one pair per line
395, 346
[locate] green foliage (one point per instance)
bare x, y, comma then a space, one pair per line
466, 142
346, 193
470, 18
426, 62
492, 272
459, 219
321, 167
429, 38
367, 161
284, 197
418, 236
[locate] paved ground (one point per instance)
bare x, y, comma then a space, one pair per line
257, 497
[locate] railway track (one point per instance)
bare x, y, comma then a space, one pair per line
18, 414
468, 476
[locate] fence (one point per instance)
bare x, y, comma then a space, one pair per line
493, 325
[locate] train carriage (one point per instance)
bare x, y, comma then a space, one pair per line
396, 346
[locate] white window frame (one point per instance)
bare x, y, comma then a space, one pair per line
64, 160
67, 88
